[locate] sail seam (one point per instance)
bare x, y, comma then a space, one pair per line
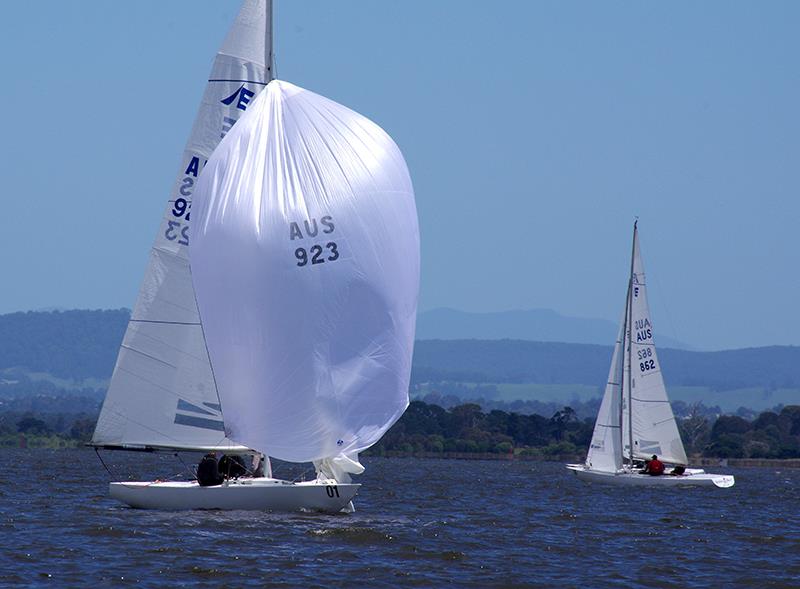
127, 347
163, 322
242, 81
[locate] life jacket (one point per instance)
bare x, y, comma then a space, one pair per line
655, 467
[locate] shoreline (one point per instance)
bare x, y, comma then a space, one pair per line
577, 459
522, 457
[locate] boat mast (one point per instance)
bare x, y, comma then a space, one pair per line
629, 335
622, 361
268, 62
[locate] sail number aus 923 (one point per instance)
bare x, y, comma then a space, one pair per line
316, 254
176, 229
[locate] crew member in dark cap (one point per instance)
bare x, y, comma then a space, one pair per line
208, 473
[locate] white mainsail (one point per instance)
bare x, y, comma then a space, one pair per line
305, 261
652, 424
162, 392
605, 449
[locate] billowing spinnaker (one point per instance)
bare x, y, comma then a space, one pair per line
305, 262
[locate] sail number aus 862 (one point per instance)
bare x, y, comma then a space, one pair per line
647, 365
316, 254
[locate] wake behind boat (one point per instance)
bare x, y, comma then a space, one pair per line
635, 421
285, 336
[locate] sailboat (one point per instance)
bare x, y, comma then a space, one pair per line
284, 326
635, 420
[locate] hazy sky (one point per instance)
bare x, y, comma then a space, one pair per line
534, 131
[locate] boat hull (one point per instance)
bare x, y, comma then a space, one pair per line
262, 494
692, 478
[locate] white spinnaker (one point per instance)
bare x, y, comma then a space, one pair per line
605, 450
654, 428
305, 261
162, 392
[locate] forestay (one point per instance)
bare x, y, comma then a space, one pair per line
653, 423
305, 259
162, 392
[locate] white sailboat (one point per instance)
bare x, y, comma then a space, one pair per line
635, 420
314, 364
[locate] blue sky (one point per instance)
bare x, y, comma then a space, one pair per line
535, 132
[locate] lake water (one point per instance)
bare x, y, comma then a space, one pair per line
418, 523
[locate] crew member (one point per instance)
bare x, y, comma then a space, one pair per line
208, 473
654, 467
232, 466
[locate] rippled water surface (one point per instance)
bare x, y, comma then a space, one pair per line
418, 523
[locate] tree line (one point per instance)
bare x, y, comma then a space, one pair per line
468, 429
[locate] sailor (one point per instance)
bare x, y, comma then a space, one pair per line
208, 473
232, 466
654, 467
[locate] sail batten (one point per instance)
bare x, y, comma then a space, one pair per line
163, 361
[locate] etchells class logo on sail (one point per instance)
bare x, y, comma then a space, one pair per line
240, 99
207, 416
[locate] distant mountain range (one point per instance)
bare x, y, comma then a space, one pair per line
540, 325
77, 350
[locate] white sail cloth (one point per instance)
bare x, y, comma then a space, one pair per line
305, 261
653, 423
162, 391
605, 449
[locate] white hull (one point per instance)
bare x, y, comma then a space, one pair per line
262, 494
692, 478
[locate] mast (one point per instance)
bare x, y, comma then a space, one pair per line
268, 52
622, 362
629, 333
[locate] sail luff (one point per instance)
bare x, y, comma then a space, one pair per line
162, 391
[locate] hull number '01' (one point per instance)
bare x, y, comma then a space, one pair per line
332, 491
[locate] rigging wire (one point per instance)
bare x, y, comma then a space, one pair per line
108, 470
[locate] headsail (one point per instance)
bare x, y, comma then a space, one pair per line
162, 392
605, 450
653, 424
305, 260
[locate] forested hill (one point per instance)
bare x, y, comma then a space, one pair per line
67, 344
84, 344
518, 361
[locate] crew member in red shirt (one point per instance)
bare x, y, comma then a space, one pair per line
654, 467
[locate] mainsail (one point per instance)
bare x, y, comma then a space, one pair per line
652, 424
305, 261
162, 392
